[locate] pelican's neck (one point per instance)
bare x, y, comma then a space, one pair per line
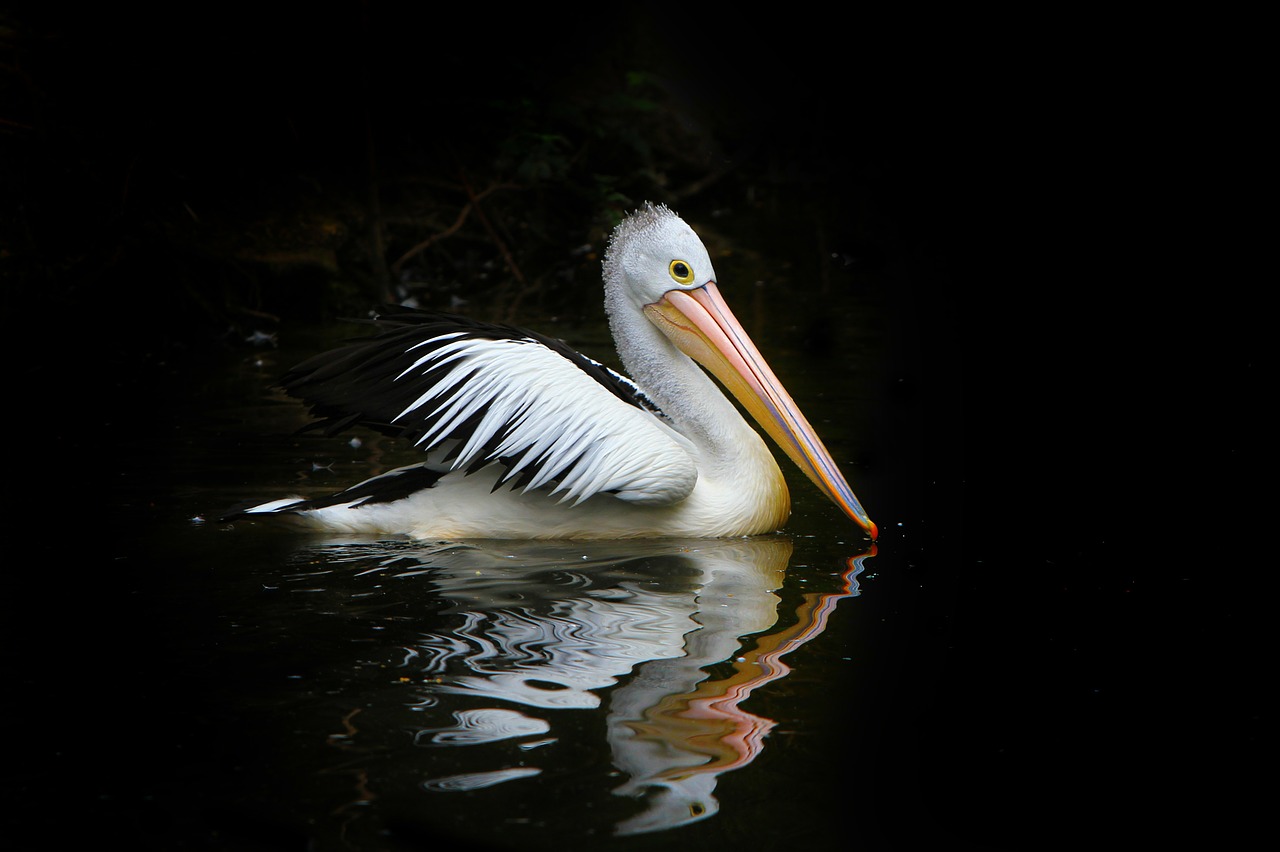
696, 405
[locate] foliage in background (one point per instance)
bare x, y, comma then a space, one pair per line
233, 172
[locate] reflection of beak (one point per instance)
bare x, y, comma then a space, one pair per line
701, 325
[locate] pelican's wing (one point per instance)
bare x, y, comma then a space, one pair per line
497, 394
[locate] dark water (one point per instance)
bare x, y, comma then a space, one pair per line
374, 694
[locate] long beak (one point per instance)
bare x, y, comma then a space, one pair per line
701, 325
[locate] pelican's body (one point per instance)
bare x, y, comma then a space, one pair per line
525, 438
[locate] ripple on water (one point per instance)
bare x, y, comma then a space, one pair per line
483, 725
477, 780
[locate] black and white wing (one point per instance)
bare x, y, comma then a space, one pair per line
485, 394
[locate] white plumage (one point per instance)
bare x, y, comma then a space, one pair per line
525, 438
546, 410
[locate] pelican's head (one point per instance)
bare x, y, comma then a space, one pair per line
657, 264
654, 251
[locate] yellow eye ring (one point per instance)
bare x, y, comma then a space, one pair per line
681, 272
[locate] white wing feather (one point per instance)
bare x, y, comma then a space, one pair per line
553, 416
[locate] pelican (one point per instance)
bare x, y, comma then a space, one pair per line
525, 438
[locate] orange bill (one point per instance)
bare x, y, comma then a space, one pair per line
701, 325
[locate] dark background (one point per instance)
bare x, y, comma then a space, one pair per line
275, 165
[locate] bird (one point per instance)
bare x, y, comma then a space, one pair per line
525, 438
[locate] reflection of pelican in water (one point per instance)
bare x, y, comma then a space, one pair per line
675, 747
562, 626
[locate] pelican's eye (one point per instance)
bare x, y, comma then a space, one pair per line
681, 272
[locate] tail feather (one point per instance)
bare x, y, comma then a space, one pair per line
240, 511
383, 488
